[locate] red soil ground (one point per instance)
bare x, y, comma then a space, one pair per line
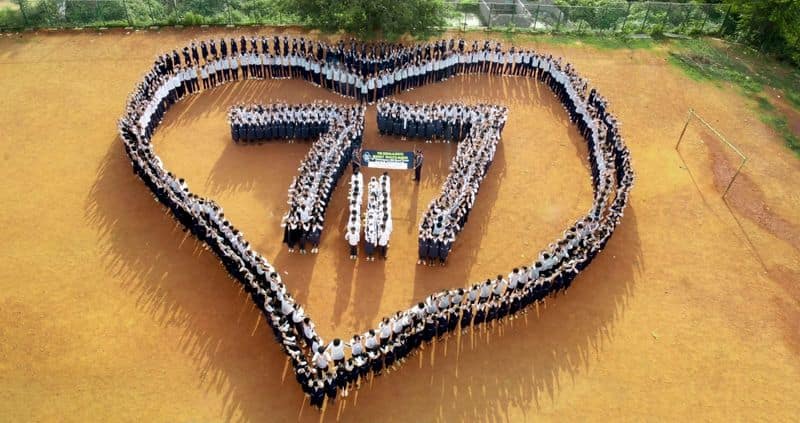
109, 312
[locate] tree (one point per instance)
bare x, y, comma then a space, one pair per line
770, 25
373, 18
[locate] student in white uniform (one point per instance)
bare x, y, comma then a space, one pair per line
321, 360
204, 77
336, 351
353, 237
234, 65
226, 69
361, 89
245, 65
371, 89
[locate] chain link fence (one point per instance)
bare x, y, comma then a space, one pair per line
541, 16
19, 14
620, 17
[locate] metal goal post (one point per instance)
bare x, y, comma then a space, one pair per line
693, 115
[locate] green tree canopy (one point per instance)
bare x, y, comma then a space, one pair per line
373, 18
772, 25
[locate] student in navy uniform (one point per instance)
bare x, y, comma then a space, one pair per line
411, 128
433, 252
317, 397
397, 126
235, 127
418, 160
444, 251
204, 50
187, 59
195, 55
438, 129
223, 48
447, 131
423, 249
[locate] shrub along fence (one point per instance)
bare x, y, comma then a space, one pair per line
614, 17
543, 16
140, 13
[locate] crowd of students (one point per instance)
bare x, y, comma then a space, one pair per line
439, 122
378, 220
259, 122
355, 198
364, 71
477, 129
326, 160
325, 369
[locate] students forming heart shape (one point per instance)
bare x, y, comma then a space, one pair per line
371, 73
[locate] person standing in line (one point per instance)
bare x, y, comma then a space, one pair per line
226, 69
264, 60
372, 86
419, 158
364, 90
194, 74
204, 76
383, 242
353, 237
245, 58
336, 351
204, 50
234, 65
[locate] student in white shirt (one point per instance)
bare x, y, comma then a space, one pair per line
204, 77
263, 65
508, 58
517, 58
371, 89
361, 89
356, 346
336, 351
390, 79
343, 82
385, 331
234, 65
328, 76
378, 88
383, 242
353, 238
351, 84
335, 73
245, 59
371, 341
321, 359
293, 73
226, 69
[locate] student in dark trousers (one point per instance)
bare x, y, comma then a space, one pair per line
418, 159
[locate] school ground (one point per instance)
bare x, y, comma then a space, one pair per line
109, 312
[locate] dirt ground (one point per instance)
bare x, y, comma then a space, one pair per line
110, 312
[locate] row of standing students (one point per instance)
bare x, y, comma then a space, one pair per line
398, 335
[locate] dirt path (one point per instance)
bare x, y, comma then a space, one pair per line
109, 312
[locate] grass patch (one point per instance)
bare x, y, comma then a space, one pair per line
606, 42
749, 71
601, 42
778, 123
701, 61
764, 105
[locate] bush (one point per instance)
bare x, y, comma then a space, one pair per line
11, 18
191, 18
657, 31
389, 19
